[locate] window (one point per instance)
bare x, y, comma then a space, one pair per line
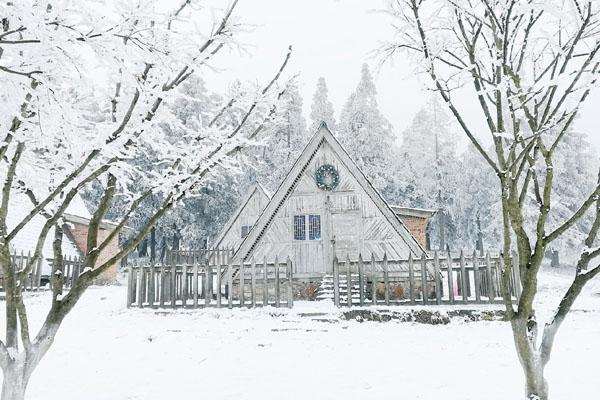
246, 230
299, 227
314, 227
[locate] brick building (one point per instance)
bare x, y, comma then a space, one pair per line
74, 244
77, 227
417, 221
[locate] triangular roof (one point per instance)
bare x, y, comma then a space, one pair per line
322, 135
26, 239
413, 212
256, 189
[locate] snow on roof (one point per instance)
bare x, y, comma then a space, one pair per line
413, 212
25, 241
78, 208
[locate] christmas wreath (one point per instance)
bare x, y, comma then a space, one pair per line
327, 177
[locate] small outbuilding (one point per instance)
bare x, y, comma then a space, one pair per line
417, 220
74, 243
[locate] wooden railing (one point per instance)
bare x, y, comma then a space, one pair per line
222, 284
39, 277
192, 281
441, 279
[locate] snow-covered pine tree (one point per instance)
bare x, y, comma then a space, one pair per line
575, 161
476, 187
200, 217
285, 140
367, 135
321, 108
428, 170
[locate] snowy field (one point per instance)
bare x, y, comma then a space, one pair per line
107, 352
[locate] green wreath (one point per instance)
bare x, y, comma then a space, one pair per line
327, 177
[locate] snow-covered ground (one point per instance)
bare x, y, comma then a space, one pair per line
107, 352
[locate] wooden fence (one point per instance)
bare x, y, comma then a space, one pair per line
192, 283
429, 280
209, 279
39, 277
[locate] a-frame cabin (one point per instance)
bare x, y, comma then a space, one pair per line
326, 206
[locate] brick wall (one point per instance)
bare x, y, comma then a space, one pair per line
418, 227
80, 232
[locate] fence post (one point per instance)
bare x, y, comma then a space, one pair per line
140, 292
476, 278
424, 289
130, 294
76, 270
252, 283
173, 283
242, 274
374, 281
195, 282
386, 280
145, 281
162, 291
411, 279
208, 285
184, 283
348, 282
438, 279
336, 282
488, 267
361, 281
277, 283
219, 261
463, 279
151, 285
265, 283
450, 280
290, 301
207, 282
230, 283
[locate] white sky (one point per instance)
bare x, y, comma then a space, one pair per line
333, 38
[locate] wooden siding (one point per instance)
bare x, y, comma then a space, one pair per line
348, 214
247, 215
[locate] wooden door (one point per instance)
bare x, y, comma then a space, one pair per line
345, 228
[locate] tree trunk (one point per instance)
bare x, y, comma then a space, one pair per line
14, 382
536, 386
525, 335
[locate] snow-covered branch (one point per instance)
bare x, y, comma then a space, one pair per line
91, 100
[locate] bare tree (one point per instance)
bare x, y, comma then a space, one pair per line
55, 61
527, 66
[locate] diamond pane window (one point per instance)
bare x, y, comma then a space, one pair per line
314, 227
246, 230
299, 227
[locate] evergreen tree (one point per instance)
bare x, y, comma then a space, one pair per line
576, 166
200, 216
367, 135
476, 186
321, 108
284, 141
428, 170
